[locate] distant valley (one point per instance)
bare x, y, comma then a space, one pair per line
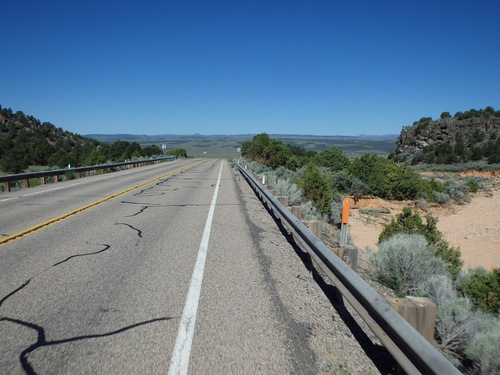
226, 146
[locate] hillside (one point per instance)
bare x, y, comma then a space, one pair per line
25, 141
470, 136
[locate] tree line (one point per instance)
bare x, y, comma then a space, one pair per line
324, 173
25, 141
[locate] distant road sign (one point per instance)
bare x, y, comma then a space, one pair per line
163, 146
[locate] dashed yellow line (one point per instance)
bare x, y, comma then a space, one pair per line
36, 228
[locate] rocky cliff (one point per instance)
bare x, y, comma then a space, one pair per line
425, 134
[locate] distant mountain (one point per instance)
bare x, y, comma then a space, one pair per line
470, 136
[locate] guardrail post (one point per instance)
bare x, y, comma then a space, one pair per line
315, 226
297, 212
56, 178
42, 180
350, 256
6, 186
283, 200
26, 183
420, 312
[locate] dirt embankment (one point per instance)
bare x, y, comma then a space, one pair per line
474, 227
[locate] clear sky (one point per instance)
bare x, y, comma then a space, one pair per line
236, 67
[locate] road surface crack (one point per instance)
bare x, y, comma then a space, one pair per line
24, 284
139, 232
42, 341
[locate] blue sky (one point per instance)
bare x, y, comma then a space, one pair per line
239, 67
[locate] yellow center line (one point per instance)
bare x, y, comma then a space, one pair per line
36, 228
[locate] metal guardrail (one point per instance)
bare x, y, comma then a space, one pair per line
7, 179
411, 350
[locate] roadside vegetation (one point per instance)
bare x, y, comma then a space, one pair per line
413, 259
324, 178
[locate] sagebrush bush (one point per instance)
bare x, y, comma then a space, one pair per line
309, 212
441, 198
285, 187
256, 168
336, 215
484, 346
404, 261
458, 326
409, 222
284, 173
458, 192
455, 326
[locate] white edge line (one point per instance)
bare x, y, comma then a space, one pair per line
179, 363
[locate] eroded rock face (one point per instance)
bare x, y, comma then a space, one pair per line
414, 138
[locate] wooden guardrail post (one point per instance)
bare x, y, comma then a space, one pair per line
283, 200
297, 212
26, 183
420, 312
315, 226
42, 180
6, 186
349, 254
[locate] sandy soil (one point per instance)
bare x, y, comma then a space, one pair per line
474, 227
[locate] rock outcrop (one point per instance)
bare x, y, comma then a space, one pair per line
415, 138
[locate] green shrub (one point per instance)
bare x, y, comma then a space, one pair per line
473, 185
432, 186
332, 158
316, 188
483, 288
340, 181
404, 261
69, 175
385, 178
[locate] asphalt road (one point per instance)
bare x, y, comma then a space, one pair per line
103, 291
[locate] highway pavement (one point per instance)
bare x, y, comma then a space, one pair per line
103, 290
